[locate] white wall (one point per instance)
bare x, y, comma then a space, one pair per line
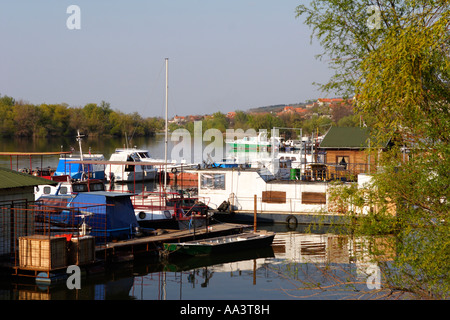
242, 185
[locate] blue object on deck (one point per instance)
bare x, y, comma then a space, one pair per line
108, 215
225, 165
66, 166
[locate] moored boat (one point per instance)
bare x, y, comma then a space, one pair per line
104, 215
129, 173
230, 243
70, 166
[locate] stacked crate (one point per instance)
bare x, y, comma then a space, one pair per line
82, 250
45, 253
38, 252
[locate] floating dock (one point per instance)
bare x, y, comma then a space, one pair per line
127, 249
46, 258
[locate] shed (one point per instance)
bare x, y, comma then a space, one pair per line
346, 147
19, 186
16, 191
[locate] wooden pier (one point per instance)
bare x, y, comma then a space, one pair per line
125, 250
119, 251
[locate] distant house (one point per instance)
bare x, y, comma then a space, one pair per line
194, 118
178, 120
346, 149
231, 115
292, 110
289, 109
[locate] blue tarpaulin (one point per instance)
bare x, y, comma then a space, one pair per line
107, 214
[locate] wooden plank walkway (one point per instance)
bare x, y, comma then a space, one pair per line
127, 249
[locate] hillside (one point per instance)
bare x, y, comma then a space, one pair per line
275, 108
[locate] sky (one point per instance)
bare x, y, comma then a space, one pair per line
224, 55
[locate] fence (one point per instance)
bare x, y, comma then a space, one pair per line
35, 234
329, 171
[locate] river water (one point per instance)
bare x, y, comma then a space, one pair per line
302, 264
299, 265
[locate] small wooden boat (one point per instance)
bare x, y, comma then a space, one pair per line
231, 243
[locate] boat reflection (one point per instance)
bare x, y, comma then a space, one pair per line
238, 275
234, 261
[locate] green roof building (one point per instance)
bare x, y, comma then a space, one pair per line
347, 138
346, 149
18, 186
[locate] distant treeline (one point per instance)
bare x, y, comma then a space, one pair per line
316, 120
21, 119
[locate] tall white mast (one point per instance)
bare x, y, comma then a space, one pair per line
166, 131
81, 150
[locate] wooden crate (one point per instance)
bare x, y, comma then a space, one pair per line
39, 252
30, 295
81, 250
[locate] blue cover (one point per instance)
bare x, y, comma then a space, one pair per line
119, 211
108, 214
75, 170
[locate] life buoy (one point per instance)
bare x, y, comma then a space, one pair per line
291, 221
142, 215
167, 214
174, 170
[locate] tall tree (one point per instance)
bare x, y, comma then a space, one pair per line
394, 56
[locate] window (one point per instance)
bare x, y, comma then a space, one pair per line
274, 196
314, 198
343, 161
215, 181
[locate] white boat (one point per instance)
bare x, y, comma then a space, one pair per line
259, 143
69, 187
130, 173
231, 194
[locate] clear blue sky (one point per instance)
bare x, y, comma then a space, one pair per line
224, 55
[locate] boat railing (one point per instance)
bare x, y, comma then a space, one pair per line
330, 171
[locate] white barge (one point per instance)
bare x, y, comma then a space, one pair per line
235, 193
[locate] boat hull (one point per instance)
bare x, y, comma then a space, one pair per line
244, 241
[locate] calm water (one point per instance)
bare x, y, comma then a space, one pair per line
96, 145
299, 265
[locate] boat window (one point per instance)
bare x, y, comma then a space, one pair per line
143, 155
97, 187
134, 157
63, 190
79, 187
47, 190
56, 205
274, 196
131, 158
215, 181
314, 198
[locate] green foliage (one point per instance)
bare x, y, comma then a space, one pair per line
27, 120
218, 121
264, 121
400, 74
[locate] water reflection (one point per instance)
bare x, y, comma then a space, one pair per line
298, 265
95, 145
